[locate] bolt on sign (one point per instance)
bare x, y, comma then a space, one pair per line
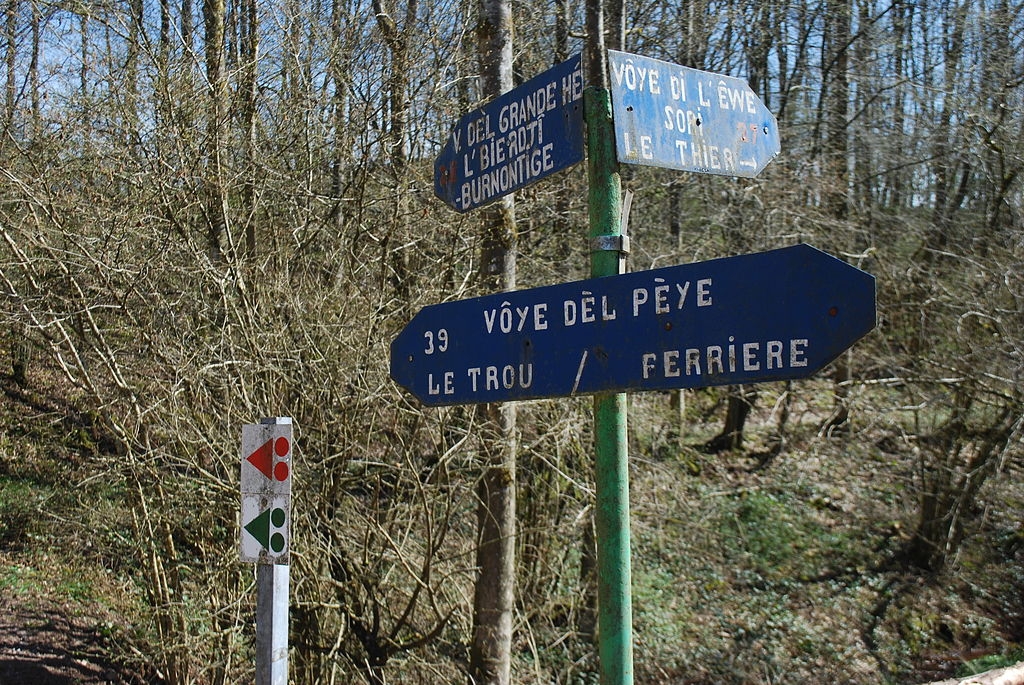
266, 483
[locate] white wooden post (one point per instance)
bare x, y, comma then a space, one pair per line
272, 624
266, 538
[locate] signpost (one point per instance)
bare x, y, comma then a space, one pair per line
266, 492
611, 463
680, 118
514, 140
768, 316
777, 315
266, 483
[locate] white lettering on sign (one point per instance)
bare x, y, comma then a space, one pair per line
705, 156
588, 309
660, 298
435, 342
683, 128
645, 148
525, 111
748, 357
682, 120
572, 87
515, 172
506, 377
647, 78
506, 148
506, 319
667, 297
704, 102
639, 78
736, 99
478, 130
447, 382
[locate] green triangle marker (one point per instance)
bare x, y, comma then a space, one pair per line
259, 528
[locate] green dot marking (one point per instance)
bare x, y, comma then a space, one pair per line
277, 543
277, 517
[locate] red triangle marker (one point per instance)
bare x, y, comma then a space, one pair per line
263, 459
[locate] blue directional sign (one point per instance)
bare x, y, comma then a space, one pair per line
680, 118
518, 138
768, 316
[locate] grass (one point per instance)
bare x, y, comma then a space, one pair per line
747, 576
739, 575
19, 510
990, 662
40, 575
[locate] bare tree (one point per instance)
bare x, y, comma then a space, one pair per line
216, 121
491, 649
122, 198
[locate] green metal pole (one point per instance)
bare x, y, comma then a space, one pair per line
614, 597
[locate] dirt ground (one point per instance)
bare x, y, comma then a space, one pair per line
44, 644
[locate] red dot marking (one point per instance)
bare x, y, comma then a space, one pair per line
833, 311
281, 447
281, 471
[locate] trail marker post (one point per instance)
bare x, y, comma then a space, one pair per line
266, 477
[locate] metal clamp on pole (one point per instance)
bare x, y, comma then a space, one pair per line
619, 242
610, 243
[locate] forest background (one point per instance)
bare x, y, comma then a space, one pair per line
213, 212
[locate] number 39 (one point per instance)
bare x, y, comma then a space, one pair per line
436, 342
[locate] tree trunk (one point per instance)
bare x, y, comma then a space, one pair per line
136, 41
840, 406
250, 39
398, 42
215, 201
491, 649
951, 479
10, 60
741, 401
18, 331
836, 157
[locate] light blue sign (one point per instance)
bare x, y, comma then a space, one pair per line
675, 117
